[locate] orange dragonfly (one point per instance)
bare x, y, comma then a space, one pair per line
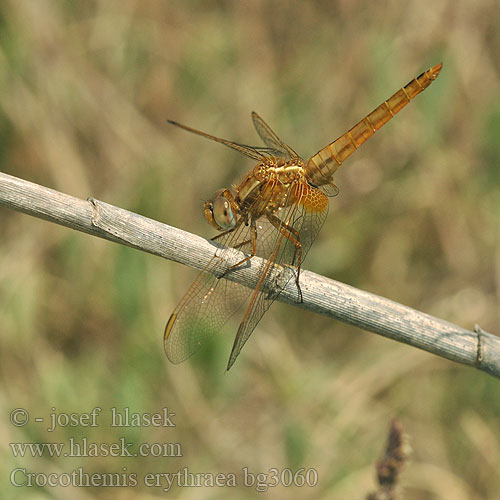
275, 213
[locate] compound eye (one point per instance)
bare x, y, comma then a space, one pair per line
223, 213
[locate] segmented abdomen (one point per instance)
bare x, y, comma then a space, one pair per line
322, 165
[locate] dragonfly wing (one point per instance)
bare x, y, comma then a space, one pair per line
330, 189
208, 304
210, 301
300, 222
259, 304
259, 154
270, 138
272, 152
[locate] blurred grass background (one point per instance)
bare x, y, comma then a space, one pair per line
85, 91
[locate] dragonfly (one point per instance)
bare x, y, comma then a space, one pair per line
274, 213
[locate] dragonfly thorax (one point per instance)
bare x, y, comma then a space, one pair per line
266, 189
270, 187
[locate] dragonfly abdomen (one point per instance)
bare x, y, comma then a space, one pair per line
321, 166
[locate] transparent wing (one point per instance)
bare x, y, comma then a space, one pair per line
330, 189
211, 301
257, 153
208, 303
299, 223
270, 138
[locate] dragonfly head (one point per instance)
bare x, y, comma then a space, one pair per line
221, 211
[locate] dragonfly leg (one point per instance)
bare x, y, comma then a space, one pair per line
217, 236
292, 235
239, 245
246, 242
253, 241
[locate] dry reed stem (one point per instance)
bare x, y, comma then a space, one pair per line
323, 295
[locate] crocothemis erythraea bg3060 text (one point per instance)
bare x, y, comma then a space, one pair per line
274, 213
